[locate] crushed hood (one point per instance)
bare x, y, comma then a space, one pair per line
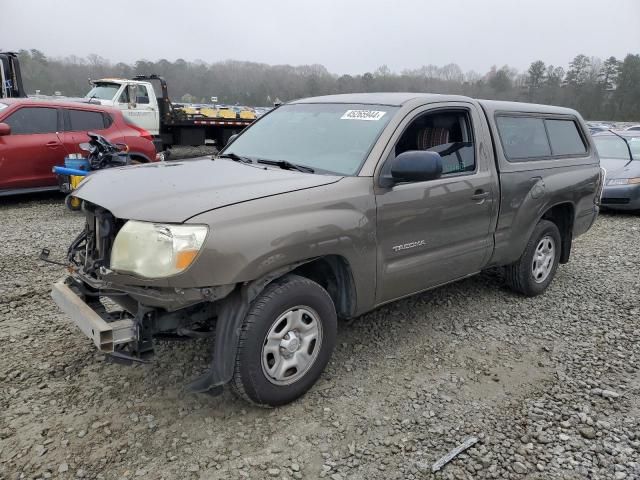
173, 192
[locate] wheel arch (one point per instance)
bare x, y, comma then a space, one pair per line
563, 215
330, 270
140, 157
333, 273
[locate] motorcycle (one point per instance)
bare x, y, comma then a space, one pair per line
100, 154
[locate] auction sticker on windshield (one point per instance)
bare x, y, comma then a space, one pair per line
362, 115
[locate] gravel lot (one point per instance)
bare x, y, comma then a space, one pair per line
550, 385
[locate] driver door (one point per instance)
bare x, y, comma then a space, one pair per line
142, 111
433, 232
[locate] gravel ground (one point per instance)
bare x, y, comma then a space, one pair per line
550, 385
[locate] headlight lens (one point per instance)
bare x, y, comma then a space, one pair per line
624, 181
154, 250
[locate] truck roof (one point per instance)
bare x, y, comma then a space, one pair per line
117, 80
400, 98
54, 102
382, 98
492, 106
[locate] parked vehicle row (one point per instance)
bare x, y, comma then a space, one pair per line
326, 208
36, 135
597, 127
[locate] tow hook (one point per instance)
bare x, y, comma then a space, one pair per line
44, 256
124, 359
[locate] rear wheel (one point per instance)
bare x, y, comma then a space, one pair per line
286, 341
534, 271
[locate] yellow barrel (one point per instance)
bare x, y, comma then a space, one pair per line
226, 113
74, 202
247, 115
209, 112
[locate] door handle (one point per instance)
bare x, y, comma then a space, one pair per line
479, 196
53, 144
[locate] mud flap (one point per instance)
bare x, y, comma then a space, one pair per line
230, 317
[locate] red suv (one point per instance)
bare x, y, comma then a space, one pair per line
36, 135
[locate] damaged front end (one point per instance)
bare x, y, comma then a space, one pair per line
123, 314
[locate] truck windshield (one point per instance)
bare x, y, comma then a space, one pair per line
103, 91
334, 138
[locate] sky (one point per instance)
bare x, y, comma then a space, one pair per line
346, 36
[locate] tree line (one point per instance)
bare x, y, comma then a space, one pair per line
599, 89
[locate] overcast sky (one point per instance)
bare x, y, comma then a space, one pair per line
347, 36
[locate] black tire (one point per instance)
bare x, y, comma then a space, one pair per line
519, 276
250, 381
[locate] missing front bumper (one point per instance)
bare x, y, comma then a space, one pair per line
105, 335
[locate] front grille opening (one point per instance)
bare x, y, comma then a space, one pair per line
94, 251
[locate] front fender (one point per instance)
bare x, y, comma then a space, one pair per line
249, 240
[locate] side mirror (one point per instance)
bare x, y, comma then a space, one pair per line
415, 166
231, 139
133, 94
5, 129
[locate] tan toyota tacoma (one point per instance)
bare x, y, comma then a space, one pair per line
324, 209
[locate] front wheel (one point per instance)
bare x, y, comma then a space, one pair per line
286, 341
534, 271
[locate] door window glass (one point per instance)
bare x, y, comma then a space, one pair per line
142, 96
84, 120
30, 120
447, 133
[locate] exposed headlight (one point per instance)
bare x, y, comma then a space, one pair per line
155, 250
624, 181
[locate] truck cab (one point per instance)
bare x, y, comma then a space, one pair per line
135, 99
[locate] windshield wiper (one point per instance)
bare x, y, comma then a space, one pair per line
285, 165
235, 157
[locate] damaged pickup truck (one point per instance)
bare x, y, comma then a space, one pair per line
325, 208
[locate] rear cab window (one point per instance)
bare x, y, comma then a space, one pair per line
33, 120
527, 138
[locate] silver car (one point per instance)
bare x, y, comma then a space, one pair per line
620, 157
